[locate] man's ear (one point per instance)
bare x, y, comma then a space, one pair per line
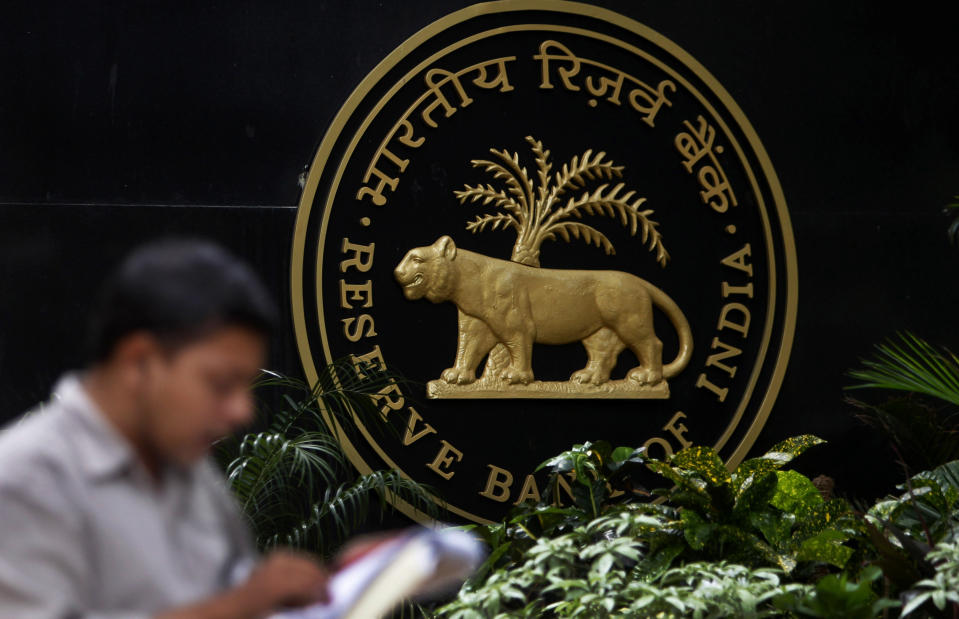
446, 247
134, 352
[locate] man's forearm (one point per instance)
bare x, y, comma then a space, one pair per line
236, 603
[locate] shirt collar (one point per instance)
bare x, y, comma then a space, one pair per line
103, 451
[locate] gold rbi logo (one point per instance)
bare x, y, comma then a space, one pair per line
558, 227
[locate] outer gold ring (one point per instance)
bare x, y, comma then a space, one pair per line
789, 250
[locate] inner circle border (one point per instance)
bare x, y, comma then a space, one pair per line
321, 159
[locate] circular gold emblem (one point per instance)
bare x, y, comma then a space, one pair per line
558, 227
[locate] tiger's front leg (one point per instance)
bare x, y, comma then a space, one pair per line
474, 342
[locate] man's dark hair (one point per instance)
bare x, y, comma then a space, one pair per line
179, 291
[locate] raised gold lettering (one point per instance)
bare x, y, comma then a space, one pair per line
444, 459
529, 491
746, 290
661, 442
388, 403
702, 381
737, 260
726, 323
717, 359
563, 484
678, 430
356, 333
411, 435
497, 484
373, 358
356, 293
362, 258
385, 181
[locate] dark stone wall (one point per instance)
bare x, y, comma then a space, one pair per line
120, 121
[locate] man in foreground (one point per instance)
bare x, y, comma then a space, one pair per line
109, 504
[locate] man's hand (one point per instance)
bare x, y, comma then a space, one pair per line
284, 579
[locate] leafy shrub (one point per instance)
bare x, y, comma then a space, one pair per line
736, 537
757, 515
292, 479
923, 424
597, 570
943, 588
835, 595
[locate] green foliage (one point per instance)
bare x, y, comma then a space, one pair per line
597, 570
923, 426
757, 515
922, 432
598, 471
943, 588
909, 363
928, 509
722, 544
903, 529
290, 476
835, 595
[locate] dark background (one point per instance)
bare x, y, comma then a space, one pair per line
120, 121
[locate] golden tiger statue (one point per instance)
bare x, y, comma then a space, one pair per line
516, 305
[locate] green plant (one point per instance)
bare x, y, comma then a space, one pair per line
836, 595
922, 424
922, 432
293, 481
911, 364
597, 570
757, 514
722, 544
928, 509
943, 588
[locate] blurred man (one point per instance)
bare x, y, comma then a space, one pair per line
109, 504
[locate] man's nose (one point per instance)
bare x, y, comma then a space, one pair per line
240, 409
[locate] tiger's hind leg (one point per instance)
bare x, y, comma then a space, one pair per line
603, 348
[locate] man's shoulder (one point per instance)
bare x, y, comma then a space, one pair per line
34, 446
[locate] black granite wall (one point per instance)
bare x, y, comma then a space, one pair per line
120, 121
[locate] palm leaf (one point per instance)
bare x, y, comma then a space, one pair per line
344, 508
579, 170
343, 396
573, 229
509, 170
281, 473
268, 460
924, 436
543, 168
911, 364
494, 221
487, 194
608, 202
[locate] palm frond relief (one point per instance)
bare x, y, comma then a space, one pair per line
537, 213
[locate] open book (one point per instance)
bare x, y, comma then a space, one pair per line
376, 574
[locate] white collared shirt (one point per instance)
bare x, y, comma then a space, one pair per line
85, 532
